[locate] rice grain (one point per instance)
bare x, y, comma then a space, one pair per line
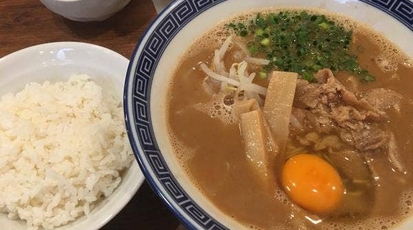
63, 148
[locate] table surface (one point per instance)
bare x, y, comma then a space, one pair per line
26, 23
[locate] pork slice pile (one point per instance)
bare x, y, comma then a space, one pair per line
328, 107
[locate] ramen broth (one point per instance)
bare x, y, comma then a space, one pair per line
208, 143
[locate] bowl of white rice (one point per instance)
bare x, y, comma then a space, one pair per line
65, 159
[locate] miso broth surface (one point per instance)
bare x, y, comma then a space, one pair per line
208, 143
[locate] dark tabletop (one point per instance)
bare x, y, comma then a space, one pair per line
24, 23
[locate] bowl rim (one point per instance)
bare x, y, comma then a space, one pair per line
170, 203
138, 53
132, 174
84, 11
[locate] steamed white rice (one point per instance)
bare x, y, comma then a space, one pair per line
63, 148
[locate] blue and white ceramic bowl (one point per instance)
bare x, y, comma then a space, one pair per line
155, 56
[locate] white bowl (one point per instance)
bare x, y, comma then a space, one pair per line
149, 76
85, 10
57, 62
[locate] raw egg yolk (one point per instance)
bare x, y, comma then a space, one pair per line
312, 183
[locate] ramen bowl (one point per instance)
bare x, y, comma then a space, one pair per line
149, 76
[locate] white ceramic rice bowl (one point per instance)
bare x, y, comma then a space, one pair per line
57, 62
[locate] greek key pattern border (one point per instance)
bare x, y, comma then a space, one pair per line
402, 10
153, 49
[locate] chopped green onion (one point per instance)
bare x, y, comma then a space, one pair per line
243, 33
265, 42
259, 32
300, 42
262, 75
323, 25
